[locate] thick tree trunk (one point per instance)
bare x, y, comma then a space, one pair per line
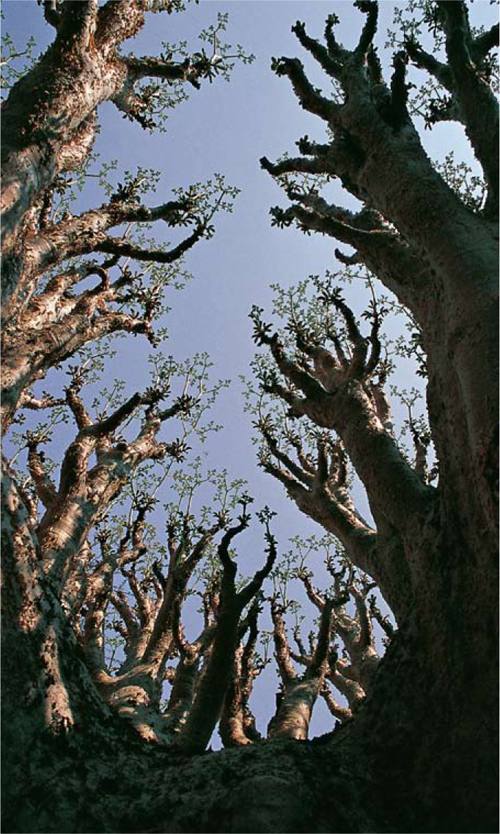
421, 761
420, 755
408, 764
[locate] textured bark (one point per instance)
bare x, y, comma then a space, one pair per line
211, 691
420, 753
299, 694
439, 544
237, 723
354, 675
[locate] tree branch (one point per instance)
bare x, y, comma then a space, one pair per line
77, 25
281, 647
307, 95
474, 95
342, 713
481, 45
317, 667
253, 587
122, 247
369, 29
322, 56
300, 165
44, 487
425, 60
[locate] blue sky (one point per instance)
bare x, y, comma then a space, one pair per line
226, 128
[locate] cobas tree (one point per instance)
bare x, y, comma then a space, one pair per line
89, 746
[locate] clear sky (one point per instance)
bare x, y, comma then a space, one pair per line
226, 128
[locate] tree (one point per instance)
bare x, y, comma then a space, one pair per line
418, 752
430, 549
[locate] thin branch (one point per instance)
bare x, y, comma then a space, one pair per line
122, 247
307, 95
